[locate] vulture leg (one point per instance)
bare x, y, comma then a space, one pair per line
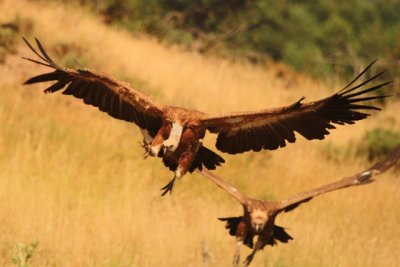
184, 163
236, 256
258, 246
147, 148
168, 187
147, 139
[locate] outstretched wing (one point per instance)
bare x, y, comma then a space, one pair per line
271, 128
117, 99
362, 178
233, 191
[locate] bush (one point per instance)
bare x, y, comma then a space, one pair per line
378, 142
10, 33
318, 37
23, 254
8, 41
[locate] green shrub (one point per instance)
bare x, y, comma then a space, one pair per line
10, 33
8, 41
379, 142
318, 37
23, 254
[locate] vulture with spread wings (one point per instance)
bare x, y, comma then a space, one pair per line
259, 215
175, 133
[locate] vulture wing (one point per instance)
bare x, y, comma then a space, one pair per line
362, 178
117, 99
233, 191
271, 128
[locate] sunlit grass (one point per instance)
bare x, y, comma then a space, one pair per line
74, 179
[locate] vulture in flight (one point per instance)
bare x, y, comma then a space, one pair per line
176, 133
258, 217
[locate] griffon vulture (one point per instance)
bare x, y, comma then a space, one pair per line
176, 132
258, 217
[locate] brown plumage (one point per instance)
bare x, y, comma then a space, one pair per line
258, 217
176, 133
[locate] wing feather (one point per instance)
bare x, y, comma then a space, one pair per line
312, 120
117, 99
361, 178
233, 191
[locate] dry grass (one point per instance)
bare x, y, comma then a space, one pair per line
73, 178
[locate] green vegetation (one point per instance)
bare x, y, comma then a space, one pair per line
317, 37
10, 35
23, 254
7, 41
379, 142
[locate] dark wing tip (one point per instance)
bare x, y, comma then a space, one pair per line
26, 41
367, 68
358, 76
372, 62
47, 61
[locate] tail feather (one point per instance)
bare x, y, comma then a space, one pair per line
279, 233
204, 158
207, 158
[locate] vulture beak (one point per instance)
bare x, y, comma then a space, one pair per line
258, 227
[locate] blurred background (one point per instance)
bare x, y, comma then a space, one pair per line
75, 190
315, 37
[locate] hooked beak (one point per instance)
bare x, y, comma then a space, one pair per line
258, 226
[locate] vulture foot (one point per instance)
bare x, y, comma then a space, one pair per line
168, 187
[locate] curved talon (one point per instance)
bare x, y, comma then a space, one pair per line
168, 187
147, 148
248, 260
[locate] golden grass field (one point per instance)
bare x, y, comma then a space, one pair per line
74, 179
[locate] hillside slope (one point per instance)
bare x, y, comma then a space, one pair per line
74, 179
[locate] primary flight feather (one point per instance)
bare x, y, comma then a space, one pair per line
175, 133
